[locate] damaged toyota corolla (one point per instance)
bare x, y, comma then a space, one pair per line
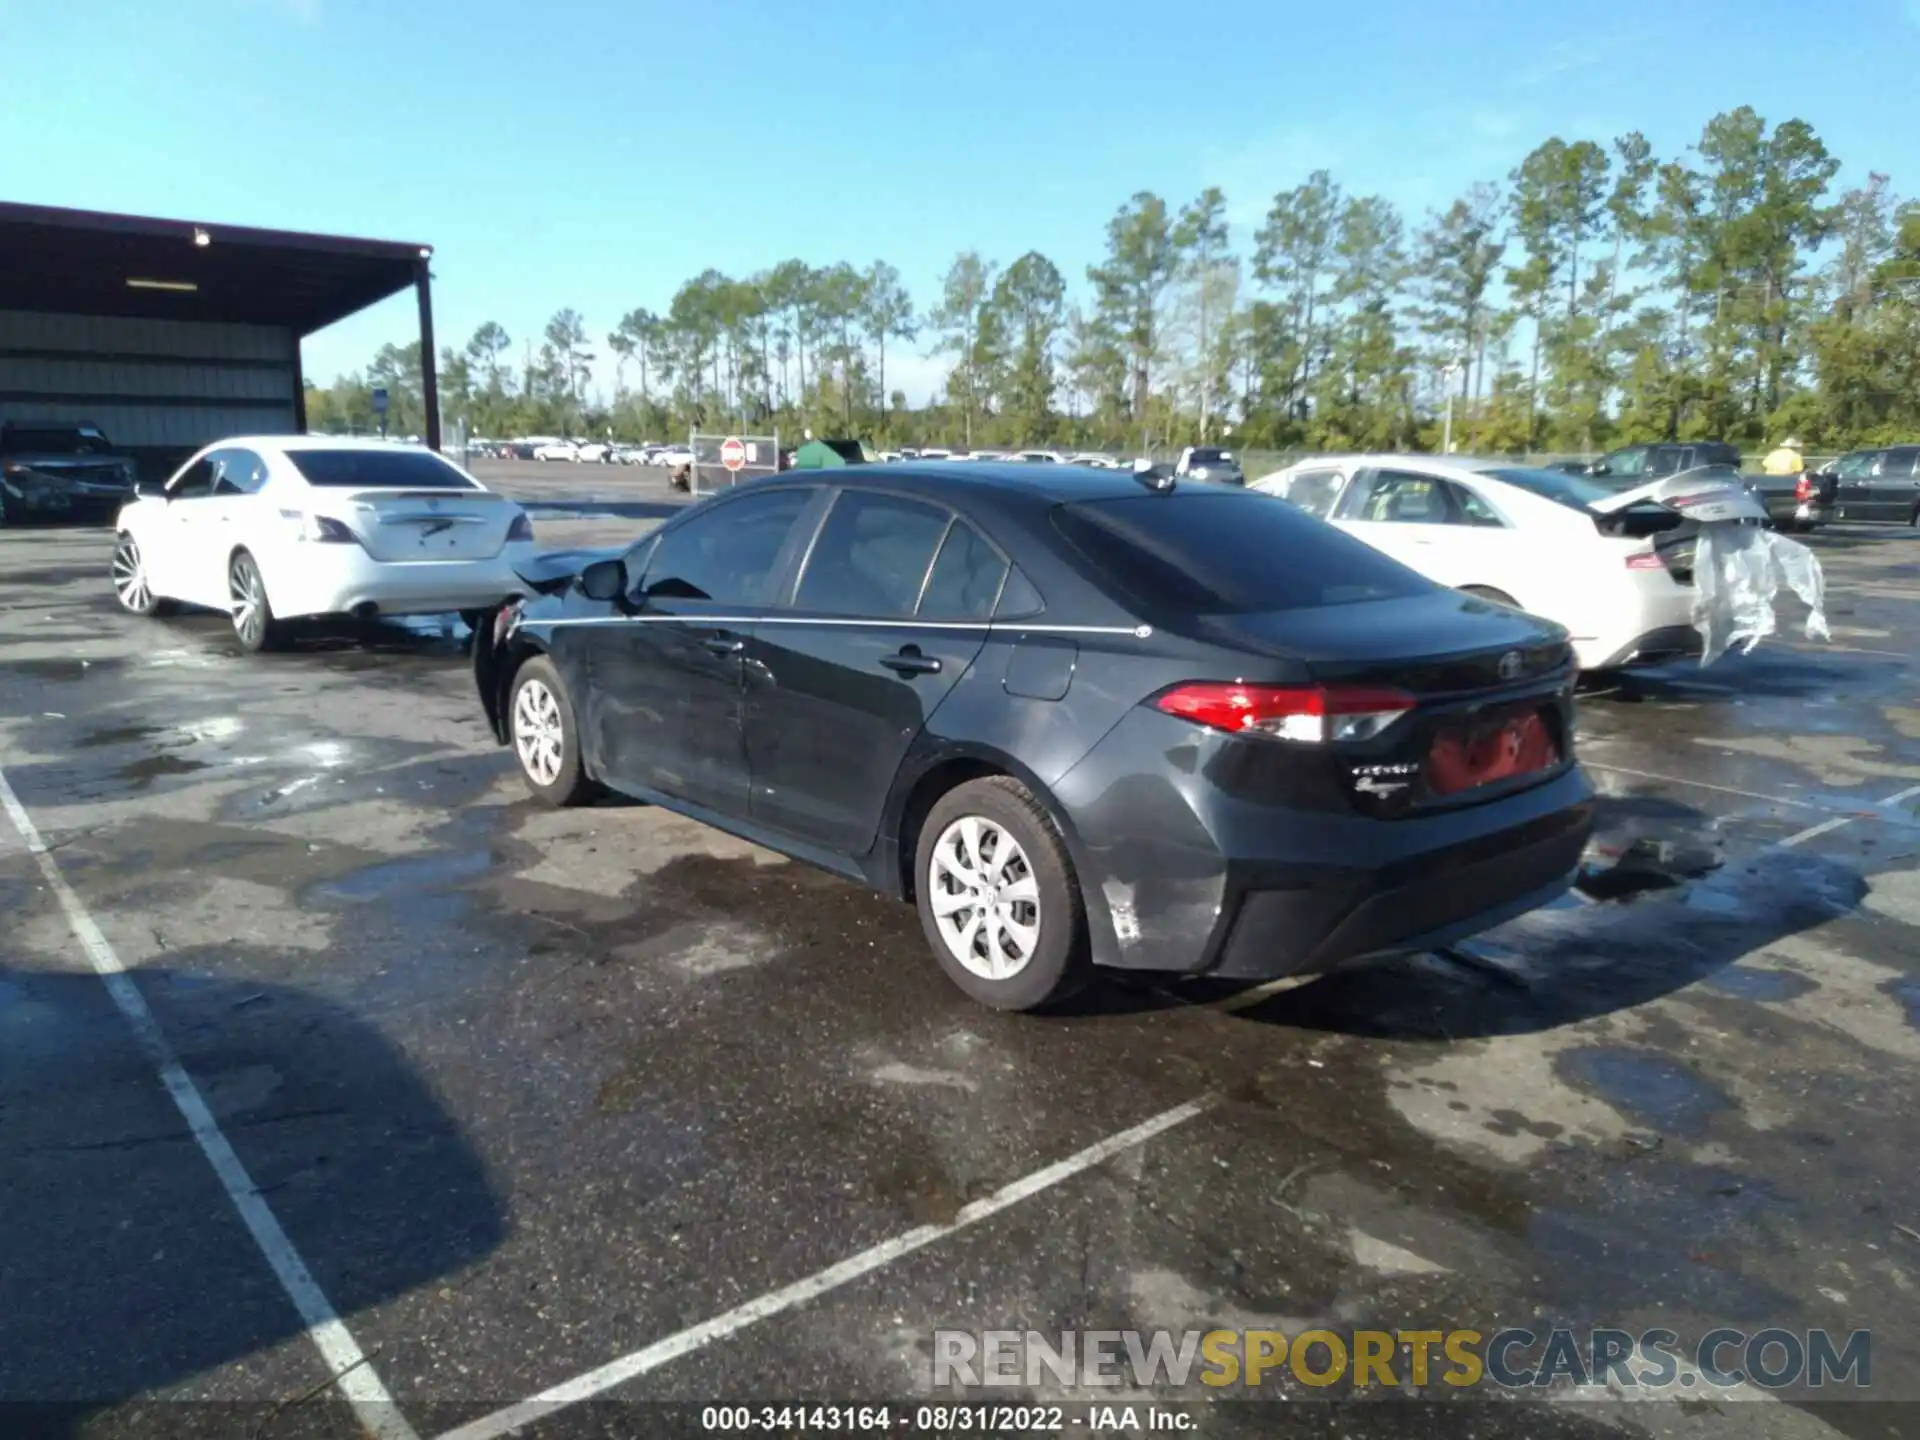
1077, 718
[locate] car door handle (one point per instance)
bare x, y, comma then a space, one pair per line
911, 662
724, 644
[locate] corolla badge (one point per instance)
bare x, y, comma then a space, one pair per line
1511, 664
1383, 780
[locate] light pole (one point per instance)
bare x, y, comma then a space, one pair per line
1447, 372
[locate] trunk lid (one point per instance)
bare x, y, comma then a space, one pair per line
1702, 494
427, 524
1438, 643
1492, 690
1668, 513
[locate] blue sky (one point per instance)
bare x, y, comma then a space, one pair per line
595, 154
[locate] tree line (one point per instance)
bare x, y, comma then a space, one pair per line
1599, 294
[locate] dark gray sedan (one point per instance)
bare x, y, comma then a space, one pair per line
1078, 718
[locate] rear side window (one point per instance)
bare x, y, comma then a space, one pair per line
396, 469
871, 556
1227, 552
966, 578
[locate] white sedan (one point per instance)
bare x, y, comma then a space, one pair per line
1613, 566
274, 528
557, 450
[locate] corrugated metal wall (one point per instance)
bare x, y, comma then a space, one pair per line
159, 388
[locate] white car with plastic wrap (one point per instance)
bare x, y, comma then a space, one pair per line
1616, 568
275, 528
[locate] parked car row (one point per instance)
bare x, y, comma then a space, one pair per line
1879, 484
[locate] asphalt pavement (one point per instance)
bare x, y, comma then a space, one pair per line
612, 1109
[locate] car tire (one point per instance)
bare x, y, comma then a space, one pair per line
1487, 592
130, 581
253, 622
990, 866
545, 737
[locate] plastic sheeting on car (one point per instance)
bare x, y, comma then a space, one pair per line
1738, 569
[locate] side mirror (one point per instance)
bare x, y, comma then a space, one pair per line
604, 580
1599, 467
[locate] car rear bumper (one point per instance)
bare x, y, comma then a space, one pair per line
1644, 622
357, 581
1182, 875
1652, 647
1301, 922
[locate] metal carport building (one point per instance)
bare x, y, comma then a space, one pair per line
169, 334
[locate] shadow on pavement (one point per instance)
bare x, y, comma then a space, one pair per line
1675, 912
126, 1266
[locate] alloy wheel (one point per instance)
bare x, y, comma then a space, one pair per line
539, 734
985, 898
130, 576
249, 599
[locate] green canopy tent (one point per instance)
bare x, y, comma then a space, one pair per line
831, 454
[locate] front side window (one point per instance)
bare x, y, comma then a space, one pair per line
1663, 460
1857, 465
195, 482
1399, 497
871, 556
726, 554
1315, 491
1629, 464
238, 472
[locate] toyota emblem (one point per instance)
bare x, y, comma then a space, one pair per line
1511, 664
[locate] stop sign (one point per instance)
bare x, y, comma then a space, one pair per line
733, 454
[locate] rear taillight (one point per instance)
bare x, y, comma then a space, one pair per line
1645, 560
322, 529
1803, 488
1317, 714
520, 529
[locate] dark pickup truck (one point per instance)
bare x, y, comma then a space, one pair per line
1793, 502
55, 470
1881, 484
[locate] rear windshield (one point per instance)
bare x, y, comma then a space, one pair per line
1575, 491
395, 469
1208, 457
1228, 552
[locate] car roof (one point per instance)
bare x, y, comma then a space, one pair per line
288, 443
1057, 484
1439, 464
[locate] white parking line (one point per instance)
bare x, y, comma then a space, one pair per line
355, 1378
1695, 784
698, 1337
1798, 836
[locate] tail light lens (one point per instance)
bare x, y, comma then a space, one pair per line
321, 529
520, 529
1316, 714
1645, 560
1803, 488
